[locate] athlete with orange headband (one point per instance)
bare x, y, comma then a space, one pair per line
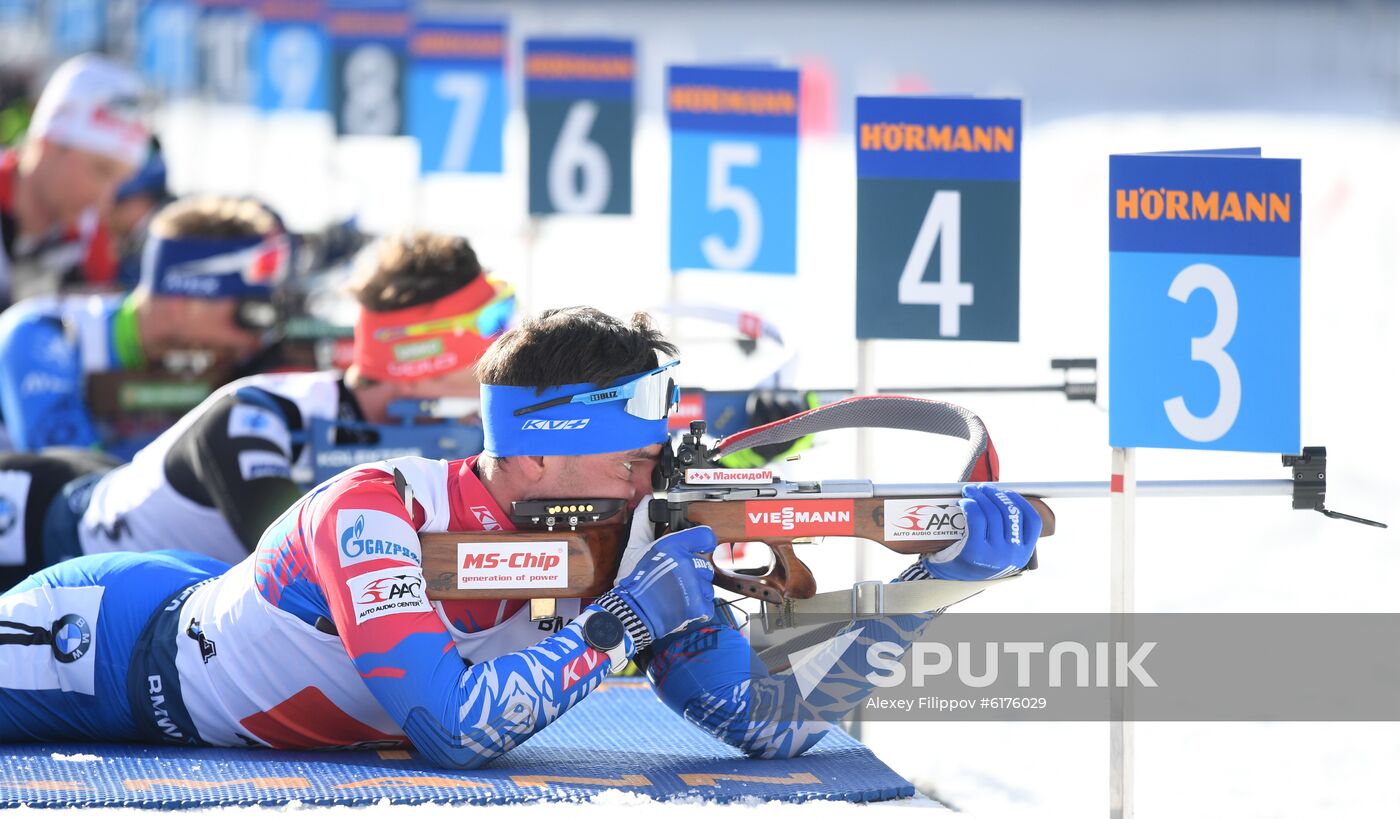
216, 479
427, 314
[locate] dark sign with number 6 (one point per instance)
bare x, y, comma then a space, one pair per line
579, 99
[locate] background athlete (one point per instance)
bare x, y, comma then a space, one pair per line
85, 138
211, 266
214, 481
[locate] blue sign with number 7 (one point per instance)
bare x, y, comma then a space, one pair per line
457, 95
1204, 302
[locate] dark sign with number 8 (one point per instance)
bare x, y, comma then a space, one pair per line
368, 43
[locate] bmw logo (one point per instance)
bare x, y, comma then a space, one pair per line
71, 638
9, 514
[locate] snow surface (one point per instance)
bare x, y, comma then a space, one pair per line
1221, 555
607, 803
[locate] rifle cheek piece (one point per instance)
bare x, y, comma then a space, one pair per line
552, 514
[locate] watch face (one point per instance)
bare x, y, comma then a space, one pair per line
603, 630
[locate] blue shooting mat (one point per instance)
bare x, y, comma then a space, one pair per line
621, 737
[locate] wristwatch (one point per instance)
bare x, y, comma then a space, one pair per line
603, 631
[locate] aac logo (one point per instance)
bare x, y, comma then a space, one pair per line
389, 589
924, 517
386, 592
571, 423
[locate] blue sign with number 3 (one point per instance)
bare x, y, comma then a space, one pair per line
1204, 302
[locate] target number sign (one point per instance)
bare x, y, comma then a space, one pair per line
938, 218
1204, 301
733, 168
580, 103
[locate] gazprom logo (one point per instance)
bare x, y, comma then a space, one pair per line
388, 537
570, 423
352, 535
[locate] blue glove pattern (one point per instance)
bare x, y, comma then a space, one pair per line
1002, 529
710, 675
669, 589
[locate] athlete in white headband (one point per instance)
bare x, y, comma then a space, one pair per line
85, 139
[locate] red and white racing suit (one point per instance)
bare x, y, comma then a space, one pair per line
324, 637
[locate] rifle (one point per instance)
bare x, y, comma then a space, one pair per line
572, 547
729, 411
425, 427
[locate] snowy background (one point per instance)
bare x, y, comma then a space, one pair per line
1316, 81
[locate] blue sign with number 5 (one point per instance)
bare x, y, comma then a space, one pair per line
733, 168
1204, 302
457, 95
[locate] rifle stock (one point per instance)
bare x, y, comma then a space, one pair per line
789, 577
595, 550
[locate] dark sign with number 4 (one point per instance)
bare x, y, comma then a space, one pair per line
938, 204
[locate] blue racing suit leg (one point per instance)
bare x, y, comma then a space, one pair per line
67, 636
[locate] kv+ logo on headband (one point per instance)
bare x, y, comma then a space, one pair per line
570, 423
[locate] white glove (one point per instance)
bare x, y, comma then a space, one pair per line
639, 541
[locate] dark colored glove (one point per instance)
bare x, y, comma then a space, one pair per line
765, 407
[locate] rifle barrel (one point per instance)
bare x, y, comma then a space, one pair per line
1101, 489
982, 388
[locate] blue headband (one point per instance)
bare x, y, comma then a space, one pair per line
565, 429
148, 179
244, 268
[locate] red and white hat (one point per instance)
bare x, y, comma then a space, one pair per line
94, 104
